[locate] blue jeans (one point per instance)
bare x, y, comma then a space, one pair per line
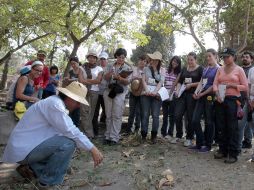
227, 126
50, 159
186, 103
204, 107
134, 112
149, 105
168, 108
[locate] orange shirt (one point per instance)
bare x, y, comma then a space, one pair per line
236, 77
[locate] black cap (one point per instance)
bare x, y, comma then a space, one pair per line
227, 52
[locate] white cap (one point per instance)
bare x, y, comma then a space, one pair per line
36, 63
103, 55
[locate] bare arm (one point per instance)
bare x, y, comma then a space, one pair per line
21, 85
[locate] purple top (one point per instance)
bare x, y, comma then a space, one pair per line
209, 74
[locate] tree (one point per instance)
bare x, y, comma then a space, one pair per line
158, 41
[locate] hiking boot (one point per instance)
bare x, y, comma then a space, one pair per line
154, 137
246, 144
230, 160
26, 172
219, 155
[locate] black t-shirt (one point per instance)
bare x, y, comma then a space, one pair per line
187, 77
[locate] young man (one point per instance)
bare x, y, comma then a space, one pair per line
103, 62
245, 123
41, 82
45, 138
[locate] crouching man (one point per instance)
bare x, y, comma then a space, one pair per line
45, 138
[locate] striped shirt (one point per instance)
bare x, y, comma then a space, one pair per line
169, 80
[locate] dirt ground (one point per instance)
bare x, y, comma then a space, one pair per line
135, 166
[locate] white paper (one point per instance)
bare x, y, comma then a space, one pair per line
222, 91
151, 88
188, 80
182, 89
200, 86
163, 93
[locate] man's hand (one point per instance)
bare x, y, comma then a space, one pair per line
97, 156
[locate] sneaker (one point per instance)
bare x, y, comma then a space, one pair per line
246, 144
195, 148
188, 143
230, 160
174, 140
204, 149
219, 155
168, 138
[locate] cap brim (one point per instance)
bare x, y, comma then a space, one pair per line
73, 96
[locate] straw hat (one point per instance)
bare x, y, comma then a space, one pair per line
136, 87
75, 91
156, 55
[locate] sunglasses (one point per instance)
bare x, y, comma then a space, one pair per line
37, 70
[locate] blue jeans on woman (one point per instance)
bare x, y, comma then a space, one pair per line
134, 112
168, 108
204, 106
149, 105
50, 159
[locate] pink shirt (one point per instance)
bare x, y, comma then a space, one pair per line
237, 77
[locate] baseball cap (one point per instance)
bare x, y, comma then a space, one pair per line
103, 55
227, 52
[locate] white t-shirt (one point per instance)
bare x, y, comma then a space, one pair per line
251, 82
95, 72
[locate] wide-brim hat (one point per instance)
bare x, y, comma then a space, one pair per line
227, 52
136, 87
76, 91
156, 55
92, 53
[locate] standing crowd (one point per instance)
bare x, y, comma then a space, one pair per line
220, 95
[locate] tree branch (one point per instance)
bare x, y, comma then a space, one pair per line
10, 52
95, 16
100, 25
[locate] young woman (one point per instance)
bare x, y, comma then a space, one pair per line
54, 79
233, 78
190, 77
205, 104
73, 76
24, 89
92, 80
150, 102
168, 106
134, 99
114, 96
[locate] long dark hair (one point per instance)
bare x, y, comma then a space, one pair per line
158, 70
177, 70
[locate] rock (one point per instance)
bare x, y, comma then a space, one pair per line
7, 124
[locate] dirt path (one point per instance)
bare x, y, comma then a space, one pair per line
139, 166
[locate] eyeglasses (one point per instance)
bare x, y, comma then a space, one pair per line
102, 59
120, 57
37, 70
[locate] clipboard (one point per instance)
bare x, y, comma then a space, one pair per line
125, 74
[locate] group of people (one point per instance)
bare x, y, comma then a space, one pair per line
218, 93
221, 95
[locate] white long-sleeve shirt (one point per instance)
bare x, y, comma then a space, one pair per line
42, 121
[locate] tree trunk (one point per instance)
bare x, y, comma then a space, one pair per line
5, 74
73, 53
